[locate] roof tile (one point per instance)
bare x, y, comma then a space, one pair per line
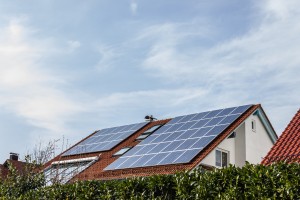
287, 147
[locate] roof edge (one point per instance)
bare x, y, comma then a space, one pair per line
259, 112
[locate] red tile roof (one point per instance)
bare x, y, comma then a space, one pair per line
19, 165
3, 171
169, 169
287, 147
96, 170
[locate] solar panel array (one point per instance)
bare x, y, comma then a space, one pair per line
180, 140
105, 139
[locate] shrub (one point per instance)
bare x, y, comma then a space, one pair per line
277, 181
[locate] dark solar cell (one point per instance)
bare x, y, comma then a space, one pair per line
146, 149
172, 146
162, 129
94, 140
103, 132
156, 159
187, 118
203, 142
127, 128
127, 163
175, 127
159, 147
134, 150
187, 156
226, 111
175, 120
118, 129
213, 113
149, 139
240, 109
170, 159
187, 125
200, 123
214, 121
115, 164
229, 119
125, 135
106, 137
187, 144
187, 134
199, 116
216, 130
141, 162
160, 138
201, 132
173, 136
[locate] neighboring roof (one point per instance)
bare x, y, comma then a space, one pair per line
19, 165
287, 147
3, 171
97, 169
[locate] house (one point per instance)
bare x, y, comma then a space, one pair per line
287, 147
209, 139
14, 161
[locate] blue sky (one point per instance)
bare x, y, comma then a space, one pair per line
68, 68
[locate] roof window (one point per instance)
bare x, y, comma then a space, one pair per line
148, 132
122, 151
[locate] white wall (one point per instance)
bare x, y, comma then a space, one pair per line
246, 146
227, 145
258, 143
240, 142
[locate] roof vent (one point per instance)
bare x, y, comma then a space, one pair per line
13, 156
149, 118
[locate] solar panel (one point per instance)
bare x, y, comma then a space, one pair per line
105, 139
180, 140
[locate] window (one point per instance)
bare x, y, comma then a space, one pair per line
122, 151
253, 125
148, 132
221, 158
152, 129
143, 136
232, 135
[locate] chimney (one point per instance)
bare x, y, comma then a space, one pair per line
13, 156
149, 118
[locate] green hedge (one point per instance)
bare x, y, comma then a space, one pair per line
277, 181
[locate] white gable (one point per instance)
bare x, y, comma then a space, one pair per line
252, 141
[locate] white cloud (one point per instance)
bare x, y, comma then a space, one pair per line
73, 44
27, 88
108, 56
133, 7
255, 49
257, 64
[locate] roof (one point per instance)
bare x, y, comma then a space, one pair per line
98, 169
3, 171
287, 147
19, 165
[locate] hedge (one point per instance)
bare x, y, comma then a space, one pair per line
277, 181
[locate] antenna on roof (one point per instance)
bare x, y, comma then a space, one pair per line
150, 118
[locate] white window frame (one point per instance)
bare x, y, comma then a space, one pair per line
121, 151
221, 160
148, 132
